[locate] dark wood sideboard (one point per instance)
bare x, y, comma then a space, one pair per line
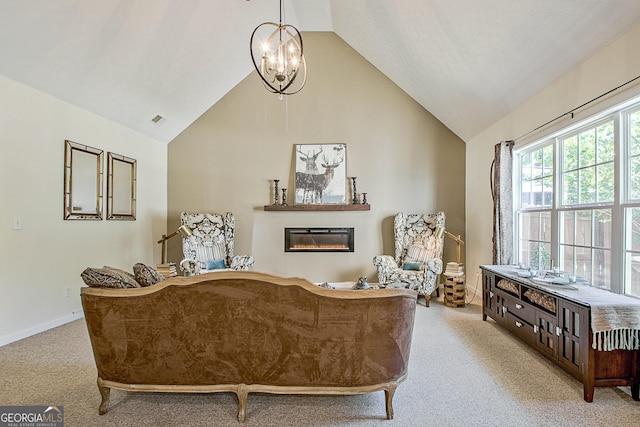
564, 336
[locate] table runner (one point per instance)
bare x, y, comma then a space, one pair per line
615, 319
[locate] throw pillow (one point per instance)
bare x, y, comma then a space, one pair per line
419, 253
215, 265
108, 278
435, 247
414, 266
211, 251
121, 272
146, 275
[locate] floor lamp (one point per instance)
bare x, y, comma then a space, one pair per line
454, 286
183, 230
440, 231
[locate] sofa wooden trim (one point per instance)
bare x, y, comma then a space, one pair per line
113, 305
242, 391
248, 275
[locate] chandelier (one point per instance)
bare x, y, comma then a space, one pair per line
277, 55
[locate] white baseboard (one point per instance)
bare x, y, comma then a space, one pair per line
8, 339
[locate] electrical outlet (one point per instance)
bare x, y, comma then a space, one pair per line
16, 223
67, 292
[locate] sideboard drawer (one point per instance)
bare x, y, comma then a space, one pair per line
522, 310
520, 328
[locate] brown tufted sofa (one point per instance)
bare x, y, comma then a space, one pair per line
242, 332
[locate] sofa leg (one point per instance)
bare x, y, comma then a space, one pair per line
105, 392
388, 395
242, 402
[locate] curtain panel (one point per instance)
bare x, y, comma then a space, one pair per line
502, 193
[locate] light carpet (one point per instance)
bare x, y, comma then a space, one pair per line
462, 371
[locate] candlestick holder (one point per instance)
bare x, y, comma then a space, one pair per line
276, 195
284, 197
355, 192
364, 199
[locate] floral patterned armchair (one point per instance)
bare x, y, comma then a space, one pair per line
418, 259
211, 244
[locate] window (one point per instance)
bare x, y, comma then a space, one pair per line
585, 244
537, 177
535, 242
632, 252
587, 166
578, 201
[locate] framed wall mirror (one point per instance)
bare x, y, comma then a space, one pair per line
83, 175
121, 187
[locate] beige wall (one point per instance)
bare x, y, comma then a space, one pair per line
606, 69
38, 262
404, 158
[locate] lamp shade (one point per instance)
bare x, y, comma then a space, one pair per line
185, 231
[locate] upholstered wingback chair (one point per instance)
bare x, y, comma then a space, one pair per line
210, 245
418, 259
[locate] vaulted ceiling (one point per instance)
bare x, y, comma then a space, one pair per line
468, 62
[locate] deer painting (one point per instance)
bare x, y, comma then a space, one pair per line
312, 185
310, 160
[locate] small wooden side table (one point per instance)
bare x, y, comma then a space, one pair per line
454, 291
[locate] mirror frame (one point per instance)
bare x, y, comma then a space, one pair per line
74, 174
116, 186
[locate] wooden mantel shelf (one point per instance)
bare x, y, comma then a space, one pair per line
317, 208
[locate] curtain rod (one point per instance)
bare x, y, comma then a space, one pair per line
570, 112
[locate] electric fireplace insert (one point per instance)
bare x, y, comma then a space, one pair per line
318, 239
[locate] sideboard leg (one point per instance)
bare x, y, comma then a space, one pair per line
588, 390
635, 387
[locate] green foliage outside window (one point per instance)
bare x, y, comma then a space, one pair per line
540, 258
588, 174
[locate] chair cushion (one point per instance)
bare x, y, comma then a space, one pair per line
146, 275
215, 265
108, 278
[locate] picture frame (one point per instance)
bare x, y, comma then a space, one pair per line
83, 177
320, 174
121, 187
